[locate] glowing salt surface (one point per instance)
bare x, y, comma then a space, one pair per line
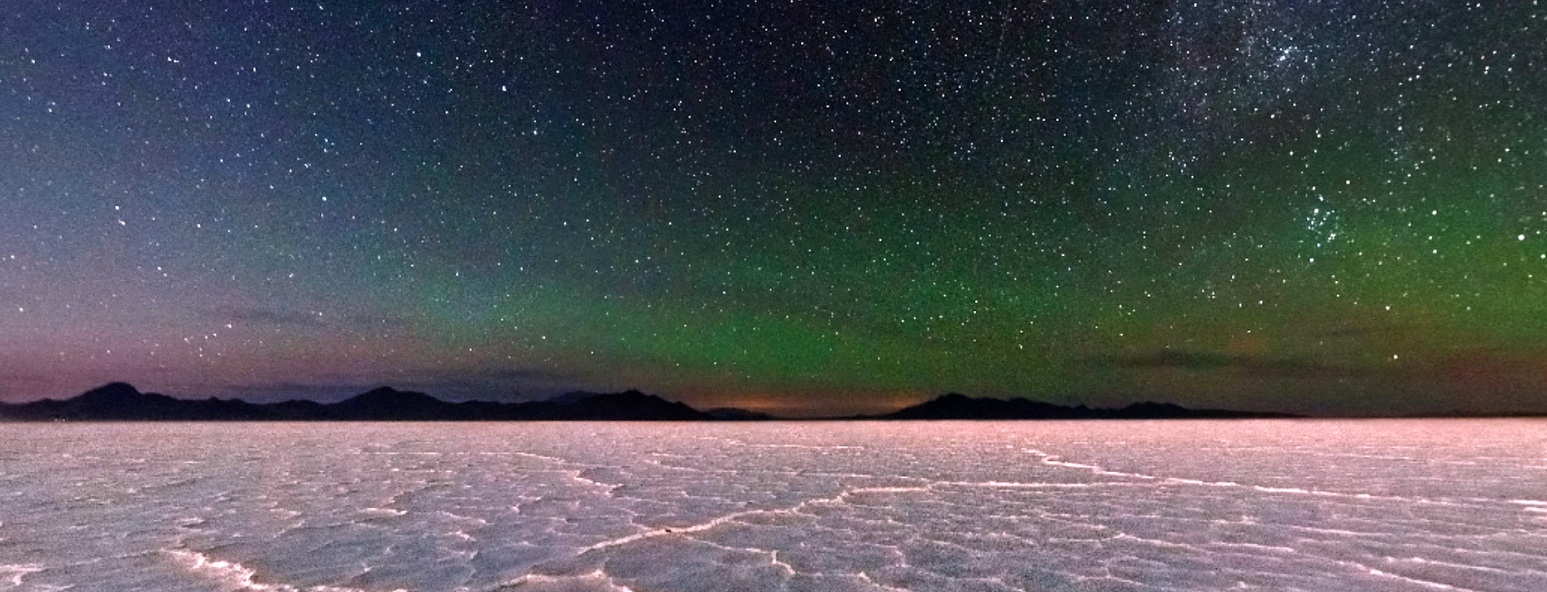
1197, 505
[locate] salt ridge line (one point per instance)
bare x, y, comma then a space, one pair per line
745, 444
17, 573
865, 577
544, 457
598, 576
570, 469
929, 486
374, 512
1054, 460
1464, 566
1411, 580
785, 472
928, 483
772, 554
1531, 505
242, 576
702, 526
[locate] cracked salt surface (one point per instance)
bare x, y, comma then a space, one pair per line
1251, 505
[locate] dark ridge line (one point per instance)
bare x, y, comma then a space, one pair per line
122, 402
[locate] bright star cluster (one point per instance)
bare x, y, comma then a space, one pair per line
1330, 206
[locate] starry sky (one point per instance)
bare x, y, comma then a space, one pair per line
803, 207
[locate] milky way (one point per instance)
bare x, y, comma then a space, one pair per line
804, 207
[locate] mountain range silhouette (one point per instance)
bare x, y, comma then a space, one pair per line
122, 402
957, 406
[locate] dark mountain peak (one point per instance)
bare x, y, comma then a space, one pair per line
628, 395
627, 405
947, 406
113, 391
956, 406
959, 406
118, 395
390, 403
115, 400
388, 394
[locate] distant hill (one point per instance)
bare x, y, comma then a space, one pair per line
122, 402
388, 404
955, 406
119, 401
624, 406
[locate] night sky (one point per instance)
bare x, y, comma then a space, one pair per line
1324, 206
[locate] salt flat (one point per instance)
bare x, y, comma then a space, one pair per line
1380, 505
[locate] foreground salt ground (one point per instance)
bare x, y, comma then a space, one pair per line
1196, 505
